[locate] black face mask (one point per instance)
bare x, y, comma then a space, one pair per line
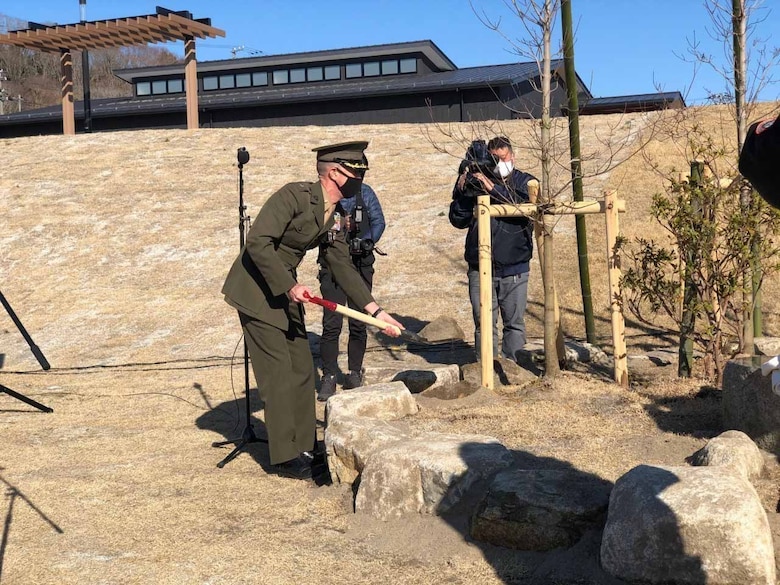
351, 187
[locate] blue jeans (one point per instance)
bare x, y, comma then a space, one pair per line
510, 295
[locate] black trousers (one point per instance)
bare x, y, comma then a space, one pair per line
332, 323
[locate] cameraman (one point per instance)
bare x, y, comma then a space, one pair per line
759, 161
512, 238
364, 225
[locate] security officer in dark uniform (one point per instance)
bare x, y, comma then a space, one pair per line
364, 224
262, 285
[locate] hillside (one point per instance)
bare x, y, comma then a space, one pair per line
115, 245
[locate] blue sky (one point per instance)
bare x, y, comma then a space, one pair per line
623, 46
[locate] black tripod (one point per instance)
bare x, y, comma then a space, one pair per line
248, 436
36, 352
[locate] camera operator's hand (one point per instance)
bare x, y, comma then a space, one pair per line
299, 293
486, 183
462, 181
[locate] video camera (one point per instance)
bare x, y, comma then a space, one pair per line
477, 160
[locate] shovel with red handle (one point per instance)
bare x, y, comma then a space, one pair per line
358, 316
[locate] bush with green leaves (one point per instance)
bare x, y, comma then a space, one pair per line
695, 278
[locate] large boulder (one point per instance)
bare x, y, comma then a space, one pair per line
388, 401
360, 422
687, 525
540, 509
426, 474
732, 449
749, 404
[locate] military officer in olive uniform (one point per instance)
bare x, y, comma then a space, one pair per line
262, 285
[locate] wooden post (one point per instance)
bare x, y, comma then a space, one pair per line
191, 83
66, 81
485, 290
615, 295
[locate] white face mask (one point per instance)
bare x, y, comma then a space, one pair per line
504, 168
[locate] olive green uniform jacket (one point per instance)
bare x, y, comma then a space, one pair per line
290, 223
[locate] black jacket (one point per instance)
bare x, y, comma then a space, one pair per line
512, 237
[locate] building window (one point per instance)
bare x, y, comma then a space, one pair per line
243, 80
175, 85
389, 67
259, 78
159, 86
210, 83
314, 74
297, 75
143, 88
332, 72
281, 77
408, 65
371, 69
354, 70
227, 82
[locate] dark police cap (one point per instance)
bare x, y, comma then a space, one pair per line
759, 161
348, 154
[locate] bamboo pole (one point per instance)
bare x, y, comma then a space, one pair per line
485, 290
615, 296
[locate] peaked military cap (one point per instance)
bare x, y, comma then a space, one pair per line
759, 161
348, 154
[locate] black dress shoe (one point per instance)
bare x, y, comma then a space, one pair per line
298, 468
315, 458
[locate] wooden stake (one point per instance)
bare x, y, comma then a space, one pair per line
485, 290
615, 295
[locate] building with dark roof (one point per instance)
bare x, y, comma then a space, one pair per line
401, 82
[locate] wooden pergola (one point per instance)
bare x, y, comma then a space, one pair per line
163, 26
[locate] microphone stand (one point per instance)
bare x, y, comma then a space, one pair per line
36, 352
248, 435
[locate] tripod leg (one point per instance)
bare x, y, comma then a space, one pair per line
248, 436
23, 398
232, 455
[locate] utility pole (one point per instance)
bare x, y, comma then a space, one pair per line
85, 74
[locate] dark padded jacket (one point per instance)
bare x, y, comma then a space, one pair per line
512, 237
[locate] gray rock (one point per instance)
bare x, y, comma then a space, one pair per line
769, 346
582, 351
687, 525
358, 424
442, 329
416, 380
732, 449
749, 405
389, 401
662, 357
427, 474
540, 509
351, 441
